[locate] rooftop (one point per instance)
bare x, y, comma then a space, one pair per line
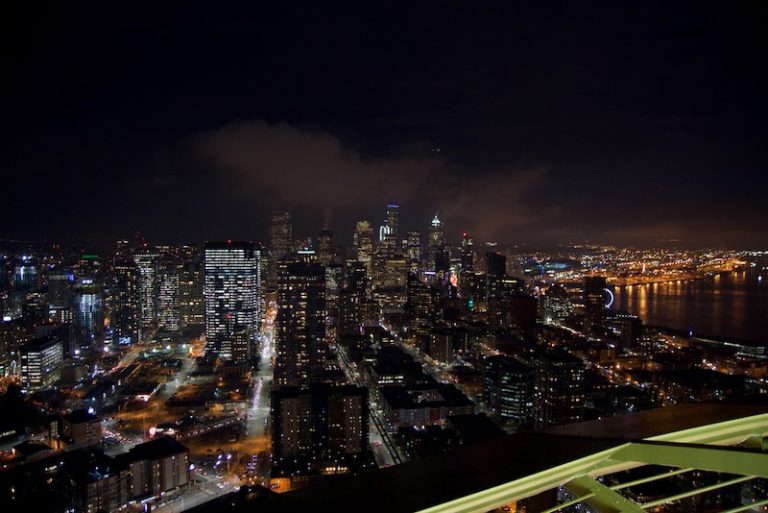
419, 484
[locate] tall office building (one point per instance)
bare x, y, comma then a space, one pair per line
300, 326
436, 244
508, 389
168, 311
280, 245
352, 299
473, 288
146, 261
59, 289
26, 276
60, 296
88, 316
389, 231
40, 357
232, 290
594, 306
125, 308
363, 243
326, 253
390, 286
413, 250
393, 221
123, 250
467, 252
419, 309
281, 230
495, 269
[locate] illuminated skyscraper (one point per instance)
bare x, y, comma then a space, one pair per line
25, 276
389, 231
191, 294
280, 245
436, 244
496, 269
326, 253
281, 242
125, 306
168, 313
352, 299
333, 282
88, 316
40, 357
467, 253
146, 261
419, 309
300, 325
363, 242
232, 290
393, 220
413, 250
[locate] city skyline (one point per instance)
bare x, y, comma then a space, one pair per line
400, 257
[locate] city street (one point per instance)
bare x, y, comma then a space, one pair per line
385, 450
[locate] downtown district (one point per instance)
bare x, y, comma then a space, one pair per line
158, 376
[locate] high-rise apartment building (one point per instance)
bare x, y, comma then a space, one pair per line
232, 295
300, 325
125, 306
191, 293
558, 389
319, 428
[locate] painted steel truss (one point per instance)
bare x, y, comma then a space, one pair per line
707, 448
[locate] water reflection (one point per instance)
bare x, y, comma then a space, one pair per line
729, 305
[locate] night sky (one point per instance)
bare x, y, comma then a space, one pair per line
535, 122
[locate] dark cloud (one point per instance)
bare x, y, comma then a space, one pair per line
586, 120
302, 169
289, 167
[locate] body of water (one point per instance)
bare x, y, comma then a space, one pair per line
728, 305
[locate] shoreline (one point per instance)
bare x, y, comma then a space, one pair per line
705, 337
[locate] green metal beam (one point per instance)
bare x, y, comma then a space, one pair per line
747, 507
697, 491
603, 500
621, 486
663, 475
625, 456
704, 457
729, 432
528, 486
759, 443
